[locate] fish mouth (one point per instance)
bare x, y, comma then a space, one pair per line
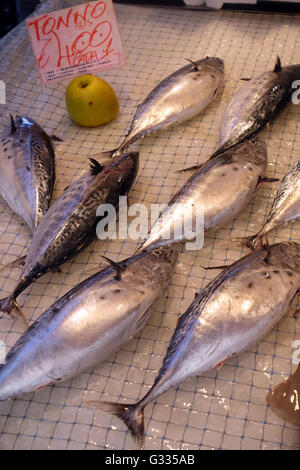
129, 156
117, 161
126, 166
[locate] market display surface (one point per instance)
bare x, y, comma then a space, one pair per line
224, 408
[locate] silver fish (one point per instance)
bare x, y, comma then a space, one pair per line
87, 324
222, 186
27, 170
285, 207
70, 223
232, 313
178, 98
256, 103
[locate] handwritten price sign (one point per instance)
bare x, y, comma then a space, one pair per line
76, 40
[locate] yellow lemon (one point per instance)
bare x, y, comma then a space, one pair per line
91, 101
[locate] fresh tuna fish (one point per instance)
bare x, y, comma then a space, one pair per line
222, 187
284, 399
233, 312
255, 103
285, 208
27, 170
70, 223
88, 323
178, 98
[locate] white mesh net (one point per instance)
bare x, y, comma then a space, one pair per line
223, 409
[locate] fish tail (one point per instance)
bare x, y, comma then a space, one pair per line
9, 305
106, 154
131, 415
117, 152
140, 247
128, 139
253, 242
191, 168
113, 153
17, 263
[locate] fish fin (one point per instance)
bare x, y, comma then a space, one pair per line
224, 266
119, 267
253, 242
278, 66
131, 415
191, 168
139, 248
9, 305
17, 263
95, 167
20, 314
117, 152
265, 179
193, 63
106, 154
268, 249
215, 154
220, 150
197, 293
13, 126
56, 138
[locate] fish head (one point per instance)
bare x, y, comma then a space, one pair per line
213, 66
123, 171
216, 64
14, 130
251, 151
210, 67
26, 127
22, 129
286, 254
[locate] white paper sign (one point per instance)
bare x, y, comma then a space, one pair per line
76, 40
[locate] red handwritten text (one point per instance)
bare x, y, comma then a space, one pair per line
65, 39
